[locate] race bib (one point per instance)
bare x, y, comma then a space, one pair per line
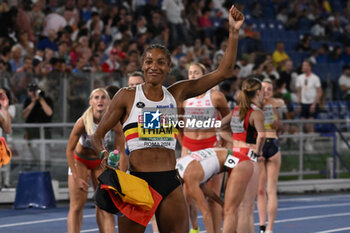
252, 155
204, 114
203, 154
231, 161
268, 114
237, 126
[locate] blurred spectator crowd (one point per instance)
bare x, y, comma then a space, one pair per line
48, 40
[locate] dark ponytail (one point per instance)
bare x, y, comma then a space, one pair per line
248, 91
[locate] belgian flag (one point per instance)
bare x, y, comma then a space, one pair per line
124, 194
5, 152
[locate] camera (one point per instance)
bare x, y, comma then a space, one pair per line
35, 88
40, 93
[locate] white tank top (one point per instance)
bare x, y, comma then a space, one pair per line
85, 139
200, 109
149, 124
208, 160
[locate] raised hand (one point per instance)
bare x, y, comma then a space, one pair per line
236, 19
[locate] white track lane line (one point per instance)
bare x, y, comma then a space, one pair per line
93, 215
90, 230
41, 221
309, 218
334, 230
315, 198
310, 207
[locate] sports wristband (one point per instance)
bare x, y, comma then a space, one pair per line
102, 153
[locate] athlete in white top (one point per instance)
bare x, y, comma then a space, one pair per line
153, 155
207, 107
196, 169
84, 163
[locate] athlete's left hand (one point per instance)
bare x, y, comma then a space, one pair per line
236, 19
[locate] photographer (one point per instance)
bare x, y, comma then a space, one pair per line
37, 108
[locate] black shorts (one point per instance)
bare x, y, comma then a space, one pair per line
163, 182
305, 111
271, 147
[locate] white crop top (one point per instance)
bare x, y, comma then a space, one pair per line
151, 124
85, 139
200, 109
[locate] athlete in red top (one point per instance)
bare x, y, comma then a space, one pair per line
247, 126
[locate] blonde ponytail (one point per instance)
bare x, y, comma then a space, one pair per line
88, 118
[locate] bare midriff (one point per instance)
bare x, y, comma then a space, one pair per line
88, 153
152, 160
241, 144
199, 134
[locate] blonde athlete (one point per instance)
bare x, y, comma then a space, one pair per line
152, 147
84, 163
202, 107
270, 162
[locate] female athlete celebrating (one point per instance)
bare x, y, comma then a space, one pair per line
144, 111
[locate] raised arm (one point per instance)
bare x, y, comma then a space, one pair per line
45, 106
190, 88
